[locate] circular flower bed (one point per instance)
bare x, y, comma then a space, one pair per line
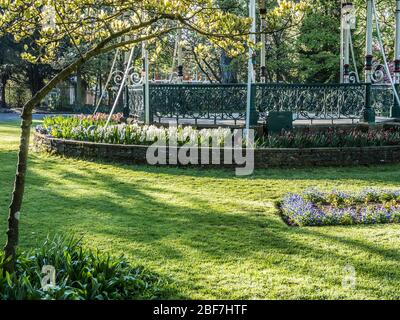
88, 137
92, 128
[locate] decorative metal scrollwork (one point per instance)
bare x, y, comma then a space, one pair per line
312, 102
199, 101
353, 77
378, 73
133, 78
228, 101
174, 77
382, 99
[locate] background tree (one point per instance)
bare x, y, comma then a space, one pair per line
318, 44
102, 26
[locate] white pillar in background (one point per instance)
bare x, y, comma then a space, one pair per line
397, 46
368, 49
263, 12
146, 83
180, 57
250, 68
341, 44
346, 57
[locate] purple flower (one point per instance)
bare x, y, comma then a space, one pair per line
316, 208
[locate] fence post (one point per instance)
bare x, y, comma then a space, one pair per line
148, 116
254, 116
396, 107
126, 109
369, 113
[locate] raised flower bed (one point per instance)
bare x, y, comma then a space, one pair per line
87, 137
316, 208
91, 128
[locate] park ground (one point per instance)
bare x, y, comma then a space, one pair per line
210, 234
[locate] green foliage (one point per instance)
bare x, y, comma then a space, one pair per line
63, 127
89, 129
318, 45
81, 274
332, 138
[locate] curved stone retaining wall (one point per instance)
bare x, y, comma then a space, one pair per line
264, 158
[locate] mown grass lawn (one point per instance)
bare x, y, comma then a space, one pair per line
212, 234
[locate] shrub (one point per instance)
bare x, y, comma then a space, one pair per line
81, 274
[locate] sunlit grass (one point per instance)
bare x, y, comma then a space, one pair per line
215, 235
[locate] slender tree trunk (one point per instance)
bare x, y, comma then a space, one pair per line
79, 88
228, 74
3, 85
36, 80
19, 186
95, 91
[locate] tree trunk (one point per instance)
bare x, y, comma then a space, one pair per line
3, 85
228, 73
17, 196
36, 79
19, 184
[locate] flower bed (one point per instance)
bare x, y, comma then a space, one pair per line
333, 138
316, 208
91, 128
64, 127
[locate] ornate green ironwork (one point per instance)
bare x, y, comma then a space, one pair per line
136, 100
382, 99
198, 101
325, 101
228, 101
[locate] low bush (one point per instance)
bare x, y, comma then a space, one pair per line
316, 208
81, 274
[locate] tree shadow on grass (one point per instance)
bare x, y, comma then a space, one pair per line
131, 209
384, 173
138, 217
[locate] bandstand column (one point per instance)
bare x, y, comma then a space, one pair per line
369, 115
346, 61
146, 84
126, 110
368, 56
347, 11
341, 44
263, 12
180, 58
251, 114
396, 107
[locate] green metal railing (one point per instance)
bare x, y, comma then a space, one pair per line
382, 99
228, 101
198, 101
312, 102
